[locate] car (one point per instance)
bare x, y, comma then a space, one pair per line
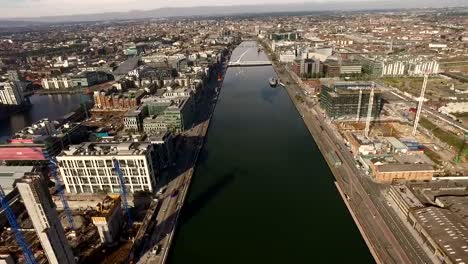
162, 190
175, 193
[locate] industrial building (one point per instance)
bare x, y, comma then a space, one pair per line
41, 210
350, 99
388, 173
443, 231
88, 167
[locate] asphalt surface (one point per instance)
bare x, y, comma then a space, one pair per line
390, 239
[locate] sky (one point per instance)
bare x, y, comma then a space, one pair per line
37, 8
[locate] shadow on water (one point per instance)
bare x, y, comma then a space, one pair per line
200, 201
189, 210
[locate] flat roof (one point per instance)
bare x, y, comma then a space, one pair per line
10, 174
446, 230
396, 143
105, 149
405, 167
21, 153
456, 204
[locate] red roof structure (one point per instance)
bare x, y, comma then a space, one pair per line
21, 153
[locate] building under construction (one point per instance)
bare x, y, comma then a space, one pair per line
99, 233
350, 100
109, 218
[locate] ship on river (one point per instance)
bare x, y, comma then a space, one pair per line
273, 82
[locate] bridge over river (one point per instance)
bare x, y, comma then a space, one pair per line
246, 63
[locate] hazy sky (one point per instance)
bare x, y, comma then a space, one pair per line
35, 8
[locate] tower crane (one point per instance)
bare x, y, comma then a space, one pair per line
420, 105
123, 191
28, 255
63, 199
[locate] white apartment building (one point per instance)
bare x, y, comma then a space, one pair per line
89, 168
56, 83
424, 67
10, 94
396, 68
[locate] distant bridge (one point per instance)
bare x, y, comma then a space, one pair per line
239, 63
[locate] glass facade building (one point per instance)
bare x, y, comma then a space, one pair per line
341, 100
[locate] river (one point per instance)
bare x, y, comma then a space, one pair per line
262, 192
43, 106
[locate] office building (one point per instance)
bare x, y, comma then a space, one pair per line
43, 214
443, 230
133, 119
342, 99
349, 68
89, 168
163, 143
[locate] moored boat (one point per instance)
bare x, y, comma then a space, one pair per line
273, 81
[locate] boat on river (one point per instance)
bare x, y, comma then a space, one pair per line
273, 82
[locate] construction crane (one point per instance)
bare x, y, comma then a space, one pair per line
59, 184
359, 106
28, 255
123, 191
369, 111
420, 104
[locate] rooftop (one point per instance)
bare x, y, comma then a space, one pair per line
405, 167
106, 149
21, 153
9, 174
446, 230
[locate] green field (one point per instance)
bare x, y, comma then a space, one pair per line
447, 137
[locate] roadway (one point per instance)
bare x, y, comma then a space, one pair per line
385, 231
191, 144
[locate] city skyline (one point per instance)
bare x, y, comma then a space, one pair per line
41, 9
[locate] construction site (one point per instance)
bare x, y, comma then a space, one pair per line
43, 225
395, 140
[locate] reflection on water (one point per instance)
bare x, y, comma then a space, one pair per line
44, 106
279, 204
